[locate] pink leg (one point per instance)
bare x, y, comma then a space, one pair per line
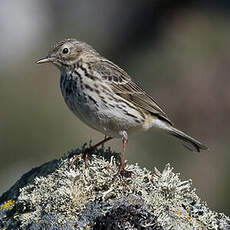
122, 164
89, 150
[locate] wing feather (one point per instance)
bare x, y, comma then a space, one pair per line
122, 85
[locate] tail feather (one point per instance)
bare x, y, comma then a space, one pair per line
189, 142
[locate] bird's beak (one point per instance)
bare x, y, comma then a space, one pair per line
46, 60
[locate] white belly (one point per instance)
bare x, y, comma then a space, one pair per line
98, 109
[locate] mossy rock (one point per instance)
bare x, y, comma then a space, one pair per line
58, 195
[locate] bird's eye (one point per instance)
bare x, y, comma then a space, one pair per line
65, 51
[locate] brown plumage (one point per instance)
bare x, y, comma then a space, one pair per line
104, 96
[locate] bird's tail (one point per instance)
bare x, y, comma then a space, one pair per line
189, 142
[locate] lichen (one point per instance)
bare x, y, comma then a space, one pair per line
8, 205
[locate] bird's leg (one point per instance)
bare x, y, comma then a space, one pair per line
89, 150
98, 144
124, 143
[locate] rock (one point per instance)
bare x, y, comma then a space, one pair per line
61, 196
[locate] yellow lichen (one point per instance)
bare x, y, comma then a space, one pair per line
179, 213
8, 204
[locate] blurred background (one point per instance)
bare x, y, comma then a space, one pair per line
177, 50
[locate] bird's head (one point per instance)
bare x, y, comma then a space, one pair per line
67, 52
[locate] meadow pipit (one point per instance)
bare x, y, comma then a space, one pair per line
104, 96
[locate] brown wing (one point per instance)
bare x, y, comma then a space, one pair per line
123, 86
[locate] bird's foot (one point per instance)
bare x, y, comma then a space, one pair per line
88, 151
123, 172
83, 155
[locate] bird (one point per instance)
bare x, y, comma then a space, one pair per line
104, 96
